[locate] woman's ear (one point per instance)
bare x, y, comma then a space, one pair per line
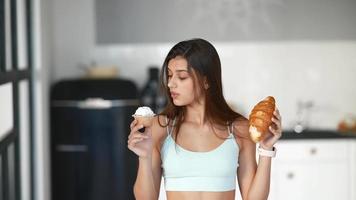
206, 85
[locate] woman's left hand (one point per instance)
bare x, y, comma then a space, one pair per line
274, 133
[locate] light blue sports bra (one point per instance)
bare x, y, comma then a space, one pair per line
185, 170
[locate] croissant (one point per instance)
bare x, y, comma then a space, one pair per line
260, 118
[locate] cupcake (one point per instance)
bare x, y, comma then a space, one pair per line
144, 115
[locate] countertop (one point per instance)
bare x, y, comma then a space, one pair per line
317, 134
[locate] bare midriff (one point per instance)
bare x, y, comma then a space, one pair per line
178, 195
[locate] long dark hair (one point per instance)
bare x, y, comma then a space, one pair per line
204, 63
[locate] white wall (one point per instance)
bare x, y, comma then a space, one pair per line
320, 71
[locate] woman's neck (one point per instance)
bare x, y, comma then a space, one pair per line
195, 113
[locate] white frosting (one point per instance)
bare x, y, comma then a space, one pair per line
144, 111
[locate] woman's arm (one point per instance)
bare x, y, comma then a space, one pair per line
254, 180
148, 180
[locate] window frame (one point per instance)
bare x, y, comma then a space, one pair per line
15, 76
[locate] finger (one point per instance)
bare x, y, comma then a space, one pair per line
277, 114
275, 132
133, 123
137, 135
277, 123
136, 128
133, 142
272, 130
276, 110
276, 129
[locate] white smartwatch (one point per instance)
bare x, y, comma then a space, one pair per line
264, 152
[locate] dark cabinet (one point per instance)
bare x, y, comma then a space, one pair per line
89, 128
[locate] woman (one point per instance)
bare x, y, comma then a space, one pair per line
198, 143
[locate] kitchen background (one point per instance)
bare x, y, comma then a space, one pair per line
301, 52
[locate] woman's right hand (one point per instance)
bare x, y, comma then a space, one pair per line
140, 143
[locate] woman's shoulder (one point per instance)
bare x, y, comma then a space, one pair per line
241, 130
241, 126
159, 129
